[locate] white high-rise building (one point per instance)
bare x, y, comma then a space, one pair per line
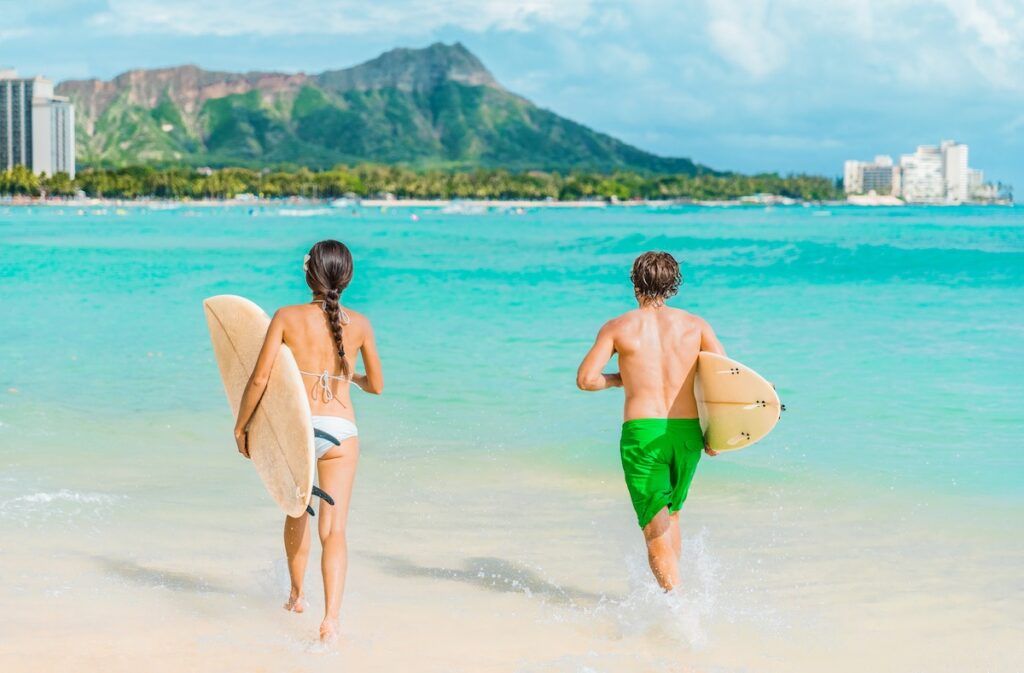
53, 136
978, 190
955, 171
879, 177
853, 177
975, 181
930, 175
37, 128
923, 179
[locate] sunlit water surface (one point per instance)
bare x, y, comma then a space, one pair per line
878, 528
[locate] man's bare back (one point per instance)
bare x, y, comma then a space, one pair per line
657, 348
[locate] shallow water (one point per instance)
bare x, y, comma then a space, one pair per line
879, 525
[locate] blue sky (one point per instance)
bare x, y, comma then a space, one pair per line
749, 85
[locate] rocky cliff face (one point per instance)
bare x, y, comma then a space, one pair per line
187, 87
433, 106
412, 70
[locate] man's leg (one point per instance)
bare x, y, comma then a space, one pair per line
677, 542
661, 550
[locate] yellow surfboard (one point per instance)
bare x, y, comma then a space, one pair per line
281, 431
737, 406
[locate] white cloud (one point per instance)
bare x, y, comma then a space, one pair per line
333, 17
993, 43
991, 25
757, 39
14, 22
982, 39
740, 33
13, 32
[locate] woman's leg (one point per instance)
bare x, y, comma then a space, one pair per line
337, 471
296, 548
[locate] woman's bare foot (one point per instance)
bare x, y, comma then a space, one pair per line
328, 631
296, 602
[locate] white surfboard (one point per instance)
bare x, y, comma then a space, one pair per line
737, 406
281, 431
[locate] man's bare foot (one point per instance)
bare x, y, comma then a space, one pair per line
328, 631
296, 602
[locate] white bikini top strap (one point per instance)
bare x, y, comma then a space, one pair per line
341, 313
324, 381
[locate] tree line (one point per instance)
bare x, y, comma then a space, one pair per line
371, 180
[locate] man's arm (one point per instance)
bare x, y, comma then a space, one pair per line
708, 340
589, 376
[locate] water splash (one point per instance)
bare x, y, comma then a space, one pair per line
679, 616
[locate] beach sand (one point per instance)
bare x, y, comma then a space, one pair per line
457, 565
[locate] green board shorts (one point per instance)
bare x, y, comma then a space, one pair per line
659, 458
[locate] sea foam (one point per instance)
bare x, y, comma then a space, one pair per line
62, 504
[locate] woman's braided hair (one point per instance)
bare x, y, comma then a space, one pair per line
328, 273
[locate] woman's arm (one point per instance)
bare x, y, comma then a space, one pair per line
373, 380
257, 384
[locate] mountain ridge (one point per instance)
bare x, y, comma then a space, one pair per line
435, 106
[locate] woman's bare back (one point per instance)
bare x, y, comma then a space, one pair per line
308, 335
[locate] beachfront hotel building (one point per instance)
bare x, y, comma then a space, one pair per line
879, 176
37, 128
955, 170
923, 177
932, 174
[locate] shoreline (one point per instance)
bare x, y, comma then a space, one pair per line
463, 206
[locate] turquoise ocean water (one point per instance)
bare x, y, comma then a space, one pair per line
892, 491
893, 335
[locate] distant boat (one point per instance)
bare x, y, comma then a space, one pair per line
344, 203
461, 208
303, 212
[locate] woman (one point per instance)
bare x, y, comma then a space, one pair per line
324, 338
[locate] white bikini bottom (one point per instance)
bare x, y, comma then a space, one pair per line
335, 426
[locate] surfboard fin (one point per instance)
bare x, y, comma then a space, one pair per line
328, 436
323, 495
781, 405
317, 491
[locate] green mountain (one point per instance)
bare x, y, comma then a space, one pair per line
437, 106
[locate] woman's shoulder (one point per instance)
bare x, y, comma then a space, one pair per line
292, 308
291, 311
356, 317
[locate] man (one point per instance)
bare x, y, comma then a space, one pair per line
661, 440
